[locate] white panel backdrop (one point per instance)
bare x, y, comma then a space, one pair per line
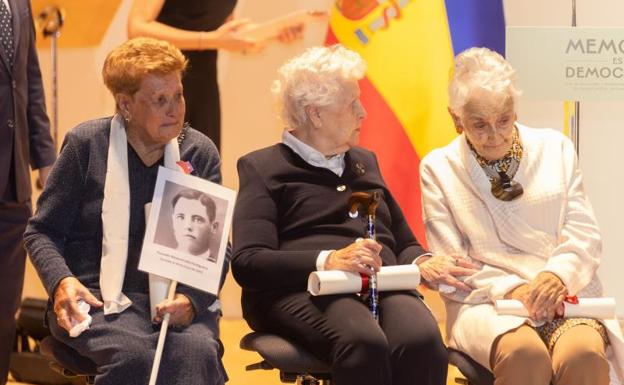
601, 134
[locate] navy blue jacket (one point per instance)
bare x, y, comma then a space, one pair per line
24, 126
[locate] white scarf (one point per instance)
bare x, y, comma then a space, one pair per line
116, 215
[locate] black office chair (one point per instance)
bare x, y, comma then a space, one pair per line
475, 373
293, 362
67, 361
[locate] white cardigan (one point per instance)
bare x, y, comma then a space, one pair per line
551, 227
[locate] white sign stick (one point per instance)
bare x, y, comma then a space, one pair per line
161, 338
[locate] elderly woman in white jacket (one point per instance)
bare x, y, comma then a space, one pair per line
511, 199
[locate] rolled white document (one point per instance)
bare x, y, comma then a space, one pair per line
586, 307
402, 277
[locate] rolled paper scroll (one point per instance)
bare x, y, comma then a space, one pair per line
585, 307
389, 278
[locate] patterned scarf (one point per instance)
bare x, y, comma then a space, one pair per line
500, 172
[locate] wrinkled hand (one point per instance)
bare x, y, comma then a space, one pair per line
288, 35
361, 256
444, 269
230, 38
181, 310
545, 297
66, 297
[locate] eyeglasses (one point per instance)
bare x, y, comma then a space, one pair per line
502, 127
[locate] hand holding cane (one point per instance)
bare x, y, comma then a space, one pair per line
369, 203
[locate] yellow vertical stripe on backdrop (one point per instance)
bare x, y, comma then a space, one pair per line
409, 63
568, 115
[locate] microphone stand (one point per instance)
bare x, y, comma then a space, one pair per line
575, 125
50, 21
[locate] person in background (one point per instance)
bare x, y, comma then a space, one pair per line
85, 238
199, 28
25, 142
511, 199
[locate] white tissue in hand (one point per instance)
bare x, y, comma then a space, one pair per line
446, 289
79, 327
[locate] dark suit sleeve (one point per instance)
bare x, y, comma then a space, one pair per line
407, 247
57, 207
258, 263
42, 151
211, 171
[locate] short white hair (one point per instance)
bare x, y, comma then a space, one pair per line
480, 68
314, 78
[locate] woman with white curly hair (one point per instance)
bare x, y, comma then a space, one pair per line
511, 199
292, 219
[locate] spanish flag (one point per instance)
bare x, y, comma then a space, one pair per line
408, 46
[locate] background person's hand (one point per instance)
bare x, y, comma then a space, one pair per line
288, 35
231, 38
360, 257
181, 310
444, 269
545, 297
66, 296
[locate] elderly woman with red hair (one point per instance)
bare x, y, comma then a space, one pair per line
85, 238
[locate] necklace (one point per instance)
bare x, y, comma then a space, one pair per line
182, 133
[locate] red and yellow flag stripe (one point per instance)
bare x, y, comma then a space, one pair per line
407, 47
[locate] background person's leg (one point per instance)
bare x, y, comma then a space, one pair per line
13, 218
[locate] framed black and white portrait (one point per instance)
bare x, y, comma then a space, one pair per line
187, 230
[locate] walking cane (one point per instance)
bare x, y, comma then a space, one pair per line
50, 20
369, 203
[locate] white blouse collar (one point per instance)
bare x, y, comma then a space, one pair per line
312, 156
